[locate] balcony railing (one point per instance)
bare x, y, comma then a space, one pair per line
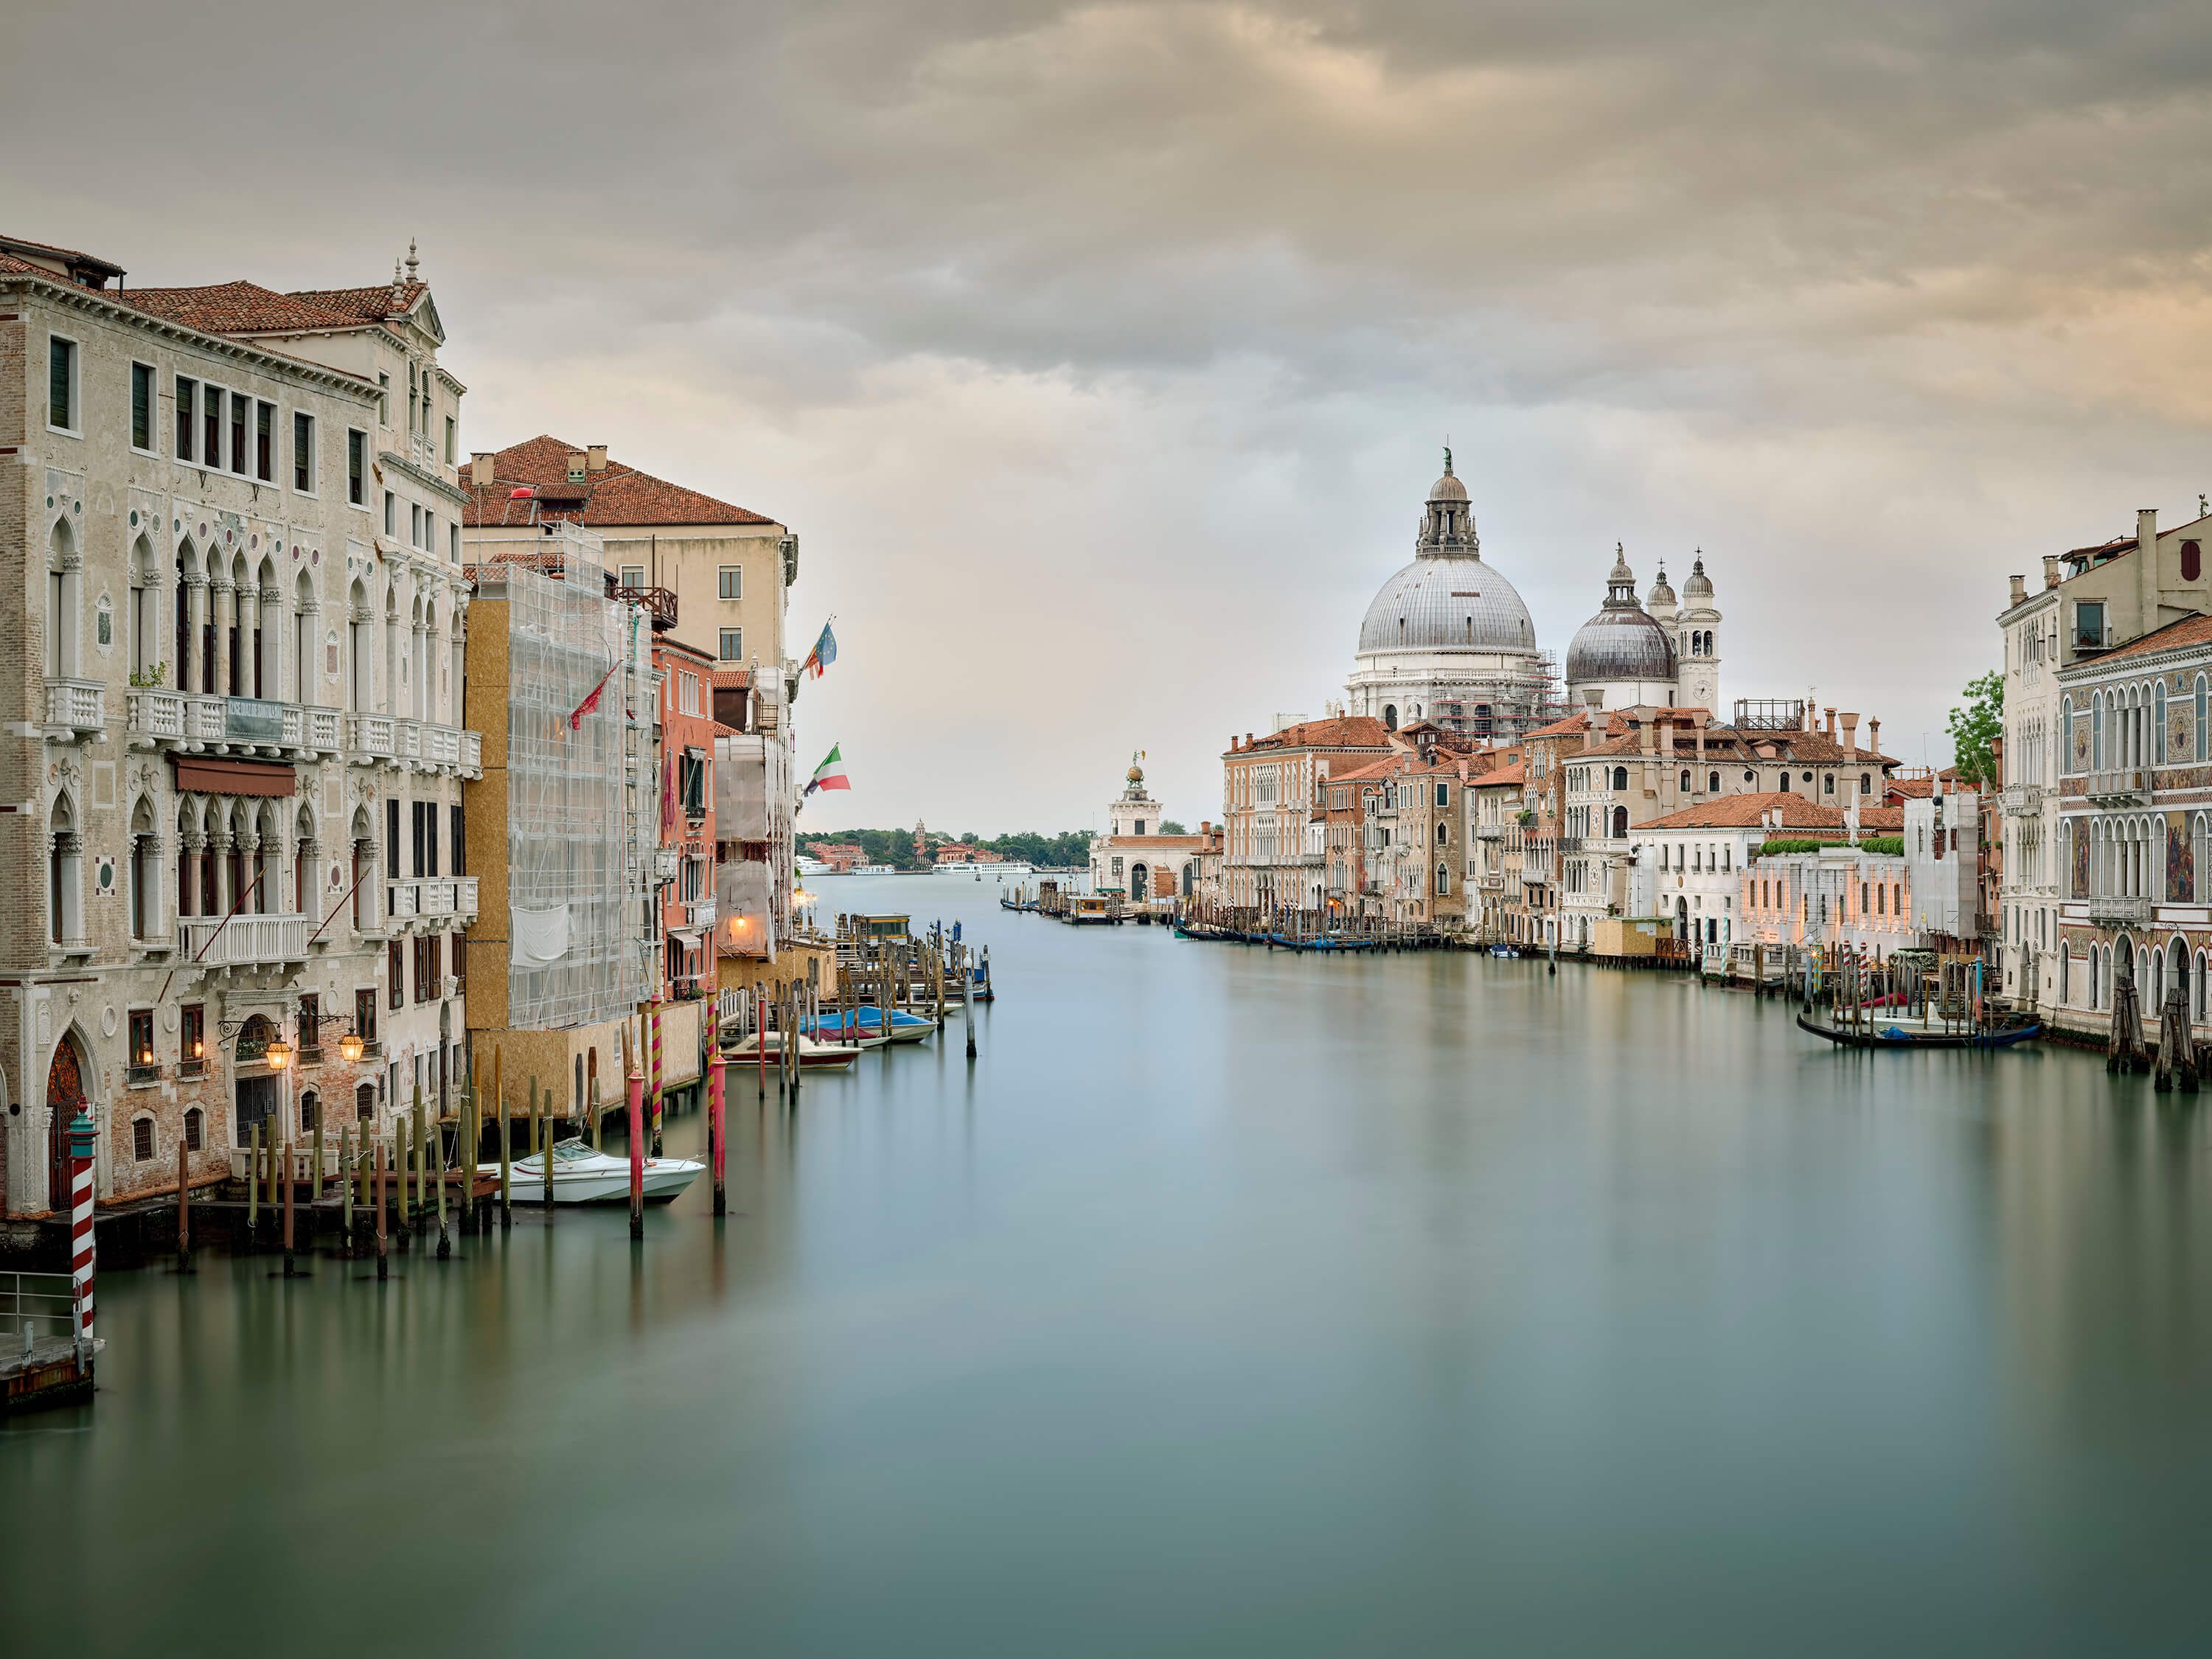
2023, 799
155, 716
470, 759
242, 941
77, 708
660, 601
370, 734
2129, 785
431, 897
2114, 911
700, 913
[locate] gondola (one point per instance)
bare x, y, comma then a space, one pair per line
1880, 1032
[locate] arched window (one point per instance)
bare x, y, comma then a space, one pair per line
1620, 822
1683, 782
64, 850
62, 568
1443, 834
364, 1102
2157, 726
195, 1129
1390, 711
1827, 783
145, 620
2200, 736
1443, 881
311, 1111
145, 872
2097, 733
1620, 777
1712, 783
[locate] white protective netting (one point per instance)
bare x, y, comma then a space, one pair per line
574, 960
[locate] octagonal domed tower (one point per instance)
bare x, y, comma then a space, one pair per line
1622, 656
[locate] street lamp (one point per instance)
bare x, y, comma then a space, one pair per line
278, 1053
349, 1047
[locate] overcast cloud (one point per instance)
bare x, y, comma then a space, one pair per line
1101, 355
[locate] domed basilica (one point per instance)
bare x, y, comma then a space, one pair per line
1449, 639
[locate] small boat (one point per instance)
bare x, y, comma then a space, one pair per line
582, 1176
864, 1026
1503, 950
813, 1056
1911, 1031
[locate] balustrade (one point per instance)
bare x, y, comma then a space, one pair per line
243, 940
78, 707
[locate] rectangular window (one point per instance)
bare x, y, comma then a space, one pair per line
61, 383
239, 461
729, 581
357, 467
364, 1015
142, 405
397, 965
195, 1130
265, 442
430, 836
733, 645
459, 868
453, 542
633, 576
186, 397
2089, 624
384, 400
415, 836
414, 524
142, 1139
391, 839
311, 1023
192, 1034
211, 426
452, 440
142, 1036
391, 514
303, 452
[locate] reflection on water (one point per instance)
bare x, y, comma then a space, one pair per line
1232, 1303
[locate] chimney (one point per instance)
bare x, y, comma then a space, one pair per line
1873, 736
1851, 731
480, 468
2050, 576
595, 458
576, 463
2019, 590
1830, 713
2147, 566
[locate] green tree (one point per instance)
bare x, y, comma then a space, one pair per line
1172, 827
1975, 726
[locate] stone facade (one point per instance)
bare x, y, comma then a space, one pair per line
231, 753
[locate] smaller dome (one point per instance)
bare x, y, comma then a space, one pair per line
1700, 585
1619, 645
1448, 488
1661, 592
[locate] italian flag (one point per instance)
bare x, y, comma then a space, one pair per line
830, 774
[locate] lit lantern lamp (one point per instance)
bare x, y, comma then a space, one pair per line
349, 1048
278, 1053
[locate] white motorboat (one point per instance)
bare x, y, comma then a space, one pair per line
813, 1056
582, 1176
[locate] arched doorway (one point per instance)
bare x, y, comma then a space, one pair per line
65, 1099
2177, 972
256, 1093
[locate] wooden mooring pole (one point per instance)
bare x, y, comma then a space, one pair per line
383, 1261
634, 1082
717, 1127
290, 1270
184, 1206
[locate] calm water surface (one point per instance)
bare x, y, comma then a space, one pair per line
1232, 1302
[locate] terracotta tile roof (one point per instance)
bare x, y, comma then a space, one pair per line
619, 496
67, 256
1516, 772
1911, 788
1578, 721
2189, 630
11, 266
734, 679
1745, 812
1884, 818
248, 308
1338, 732
1373, 769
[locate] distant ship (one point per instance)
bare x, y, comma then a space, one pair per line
977, 871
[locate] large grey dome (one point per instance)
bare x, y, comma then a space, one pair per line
1447, 602
1622, 642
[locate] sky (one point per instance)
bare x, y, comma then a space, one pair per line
1101, 356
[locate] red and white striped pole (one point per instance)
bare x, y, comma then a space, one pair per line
81, 1134
652, 1026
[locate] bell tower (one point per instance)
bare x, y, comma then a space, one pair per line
1697, 640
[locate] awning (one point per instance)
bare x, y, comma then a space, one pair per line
691, 937
232, 777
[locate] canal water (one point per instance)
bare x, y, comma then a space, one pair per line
1230, 1302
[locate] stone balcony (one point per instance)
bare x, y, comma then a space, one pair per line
2113, 910
244, 725
415, 745
429, 899
243, 941
76, 710
2022, 800
700, 913
2130, 785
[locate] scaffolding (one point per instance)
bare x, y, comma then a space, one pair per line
574, 959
